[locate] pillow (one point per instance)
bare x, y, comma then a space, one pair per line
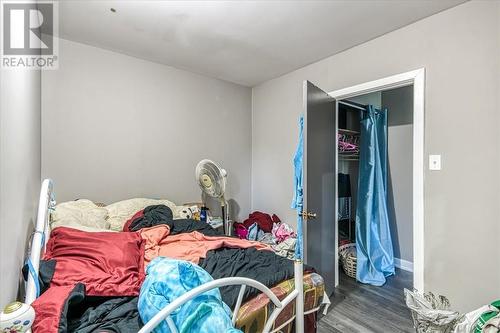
121, 211
108, 263
80, 214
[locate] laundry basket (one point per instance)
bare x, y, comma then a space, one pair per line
347, 254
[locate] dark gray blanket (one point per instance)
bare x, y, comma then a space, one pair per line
263, 266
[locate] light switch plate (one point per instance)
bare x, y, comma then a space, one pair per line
435, 162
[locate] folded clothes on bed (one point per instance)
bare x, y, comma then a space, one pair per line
166, 280
263, 266
188, 246
162, 215
107, 263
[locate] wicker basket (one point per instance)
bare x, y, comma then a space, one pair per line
347, 255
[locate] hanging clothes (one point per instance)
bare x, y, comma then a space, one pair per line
298, 195
344, 195
375, 256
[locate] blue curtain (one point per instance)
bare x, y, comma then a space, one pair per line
375, 256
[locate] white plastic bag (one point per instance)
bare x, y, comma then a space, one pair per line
430, 314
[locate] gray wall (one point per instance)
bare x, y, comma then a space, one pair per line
19, 172
399, 103
459, 49
374, 98
116, 127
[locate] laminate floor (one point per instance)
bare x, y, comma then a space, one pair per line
360, 308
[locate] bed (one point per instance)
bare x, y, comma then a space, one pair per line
273, 309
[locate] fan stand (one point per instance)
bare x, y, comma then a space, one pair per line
225, 227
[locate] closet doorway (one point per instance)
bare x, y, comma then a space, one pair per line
328, 118
403, 97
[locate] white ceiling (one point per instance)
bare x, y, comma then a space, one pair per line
246, 42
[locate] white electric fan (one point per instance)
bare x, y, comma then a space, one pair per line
212, 181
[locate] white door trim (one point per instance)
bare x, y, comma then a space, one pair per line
417, 79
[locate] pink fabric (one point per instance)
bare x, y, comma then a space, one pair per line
282, 231
188, 246
240, 230
346, 146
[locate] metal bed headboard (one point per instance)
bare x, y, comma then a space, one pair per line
39, 239
41, 236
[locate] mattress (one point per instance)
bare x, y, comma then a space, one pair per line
253, 314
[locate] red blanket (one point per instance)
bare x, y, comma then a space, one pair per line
265, 221
107, 263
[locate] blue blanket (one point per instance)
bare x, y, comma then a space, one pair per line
168, 279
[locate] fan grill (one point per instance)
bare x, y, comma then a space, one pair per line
211, 178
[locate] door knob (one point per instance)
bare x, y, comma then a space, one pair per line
308, 215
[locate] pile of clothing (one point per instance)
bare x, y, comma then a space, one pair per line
432, 313
486, 319
268, 229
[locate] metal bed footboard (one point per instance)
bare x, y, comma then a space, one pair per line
164, 313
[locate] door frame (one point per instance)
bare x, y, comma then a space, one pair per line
417, 79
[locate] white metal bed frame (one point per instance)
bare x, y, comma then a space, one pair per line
41, 236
